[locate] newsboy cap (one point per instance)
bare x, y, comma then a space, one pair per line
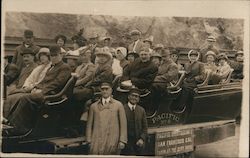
28, 33
106, 84
135, 91
135, 32
28, 51
55, 50
222, 56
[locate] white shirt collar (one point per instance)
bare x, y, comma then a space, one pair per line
131, 106
107, 100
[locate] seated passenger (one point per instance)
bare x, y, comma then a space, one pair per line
195, 73
175, 57
23, 117
141, 72
121, 54
147, 43
131, 56
61, 41
237, 65
29, 61
222, 71
36, 76
159, 48
86, 70
156, 58
72, 58
103, 72
210, 64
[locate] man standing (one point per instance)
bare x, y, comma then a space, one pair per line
106, 130
136, 124
208, 46
23, 117
28, 42
137, 44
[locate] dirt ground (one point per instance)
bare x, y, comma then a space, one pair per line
225, 148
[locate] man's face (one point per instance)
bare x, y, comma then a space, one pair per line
240, 58
85, 57
28, 58
102, 59
222, 62
106, 92
44, 59
56, 58
131, 58
147, 44
210, 43
134, 98
210, 58
135, 37
156, 61
28, 40
72, 63
145, 56
60, 42
174, 57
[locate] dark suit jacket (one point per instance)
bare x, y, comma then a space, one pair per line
195, 73
141, 74
141, 125
55, 79
18, 58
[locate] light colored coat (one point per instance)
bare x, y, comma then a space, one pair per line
106, 127
137, 48
36, 76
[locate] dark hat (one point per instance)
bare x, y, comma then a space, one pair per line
28, 51
54, 50
136, 55
106, 84
64, 38
28, 33
222, 56
135, 90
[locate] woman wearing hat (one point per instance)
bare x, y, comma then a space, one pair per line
237, 65
156, 58
223, 69
121, 54
175, 57
195, 73
131, 56
210, 64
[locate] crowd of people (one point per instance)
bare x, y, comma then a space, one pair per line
138, 67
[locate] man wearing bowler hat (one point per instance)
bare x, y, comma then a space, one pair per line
136, 124
106, 130
28, 42
27, 108
28, 60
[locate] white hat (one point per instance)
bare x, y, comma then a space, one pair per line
211, 38
72, 54
123, 51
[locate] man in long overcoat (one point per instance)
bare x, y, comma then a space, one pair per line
106, 130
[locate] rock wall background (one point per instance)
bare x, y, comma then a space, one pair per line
171, 31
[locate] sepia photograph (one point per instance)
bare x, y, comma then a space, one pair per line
125, 78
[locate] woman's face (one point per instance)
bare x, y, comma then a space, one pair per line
60, 42
222, 62
131, 58
119, 55
174, 57
44, 59
210, 58
156, 61
240, 58
193, 57
102, 59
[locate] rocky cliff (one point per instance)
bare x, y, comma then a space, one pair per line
171, 31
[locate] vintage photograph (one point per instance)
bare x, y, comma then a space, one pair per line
130, 85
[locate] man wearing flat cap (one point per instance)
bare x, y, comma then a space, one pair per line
136, 44
106, 130
208, 46
27, 108
28, 42
136, 124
